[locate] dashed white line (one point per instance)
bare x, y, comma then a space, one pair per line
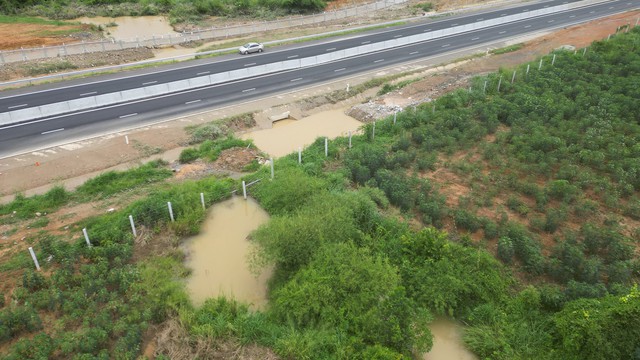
397, 36
503, 14
550, 21
51, 131
17, 106
572, 16
592, 12
480, 19
128, 115
527, 26
611, 7
365, 42
525, 10
193, 101
454, 24
292, 56
413, 53
445, 45
426, 30
149, 83
377, 61
336, 70
296, 79
247, 90
89, 93
203, 73
331, 49
546, 6
475, 38
502, 32
251, 64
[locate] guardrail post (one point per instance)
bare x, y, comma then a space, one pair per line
299, 155
86, 237
244, 190
540, 65
202, 201
527, 70
484, 88
349, 139
553, 61
499, 83
170, 211
326, 147
133, 226
395, 116
513, 77
35, 259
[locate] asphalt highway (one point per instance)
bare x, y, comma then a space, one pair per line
40, 133
96, 86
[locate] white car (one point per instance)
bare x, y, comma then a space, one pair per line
251, 48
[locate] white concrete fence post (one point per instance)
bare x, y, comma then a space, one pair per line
513, 78
299, 155
86, 237
170, 211
133, 226
244, 190
35, 259
202, 201
326, 147
373, 131
499, 83
540, 65
553, 61
395, 116
350, 139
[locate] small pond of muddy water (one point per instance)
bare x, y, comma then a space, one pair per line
218, 255
129, 28
287, 136
447, 341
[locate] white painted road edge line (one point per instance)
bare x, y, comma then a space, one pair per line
296, 79
17, 106
51, 131
192, 101
128, 115
249, 64
89, 93
149, 83
292, 56
203, 73
247, 90
377, 61
336, 70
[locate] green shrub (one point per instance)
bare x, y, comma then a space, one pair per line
506, 250
188, 155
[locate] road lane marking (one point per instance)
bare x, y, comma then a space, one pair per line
480, 19
413, 53
193, 101
550, 21
331, 49
149, 83
527, 26
377, 61
296, 79
503, 14
128, 115
365, 42
397, 36
475, 38
445, 45
203, 73
592, 12
456, 24
426, 30
292, 56
17, 106
336, 70
572, 16
251, 64
89, 93
502, 32
247, 90
51, 131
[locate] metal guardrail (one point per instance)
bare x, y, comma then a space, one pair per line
197, 35
26, 114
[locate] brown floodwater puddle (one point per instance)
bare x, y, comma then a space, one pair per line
286, 137
447, 342
129, 27
218, 256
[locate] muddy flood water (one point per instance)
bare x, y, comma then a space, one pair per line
128, 28
218, 255
287, 136
447, 342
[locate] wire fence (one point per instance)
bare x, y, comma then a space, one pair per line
211, 33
